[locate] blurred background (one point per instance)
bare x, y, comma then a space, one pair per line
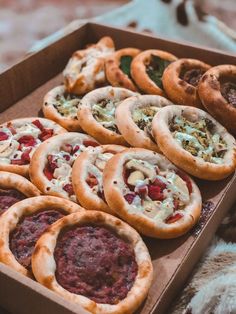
24, 22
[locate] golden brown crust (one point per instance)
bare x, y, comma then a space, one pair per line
85, 69
115, 76
129, 129
115, 187
90, 125
44, 266
24, 169
39, 161
14, 181
139, 74
210, 94
14, 214
177, 89
181, 157
84, 165
50, 112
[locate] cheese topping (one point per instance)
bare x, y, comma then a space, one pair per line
95, 171
59, 167
199, 139
158, 194
17, 144
143, 118
85, 64
104, 113
67, 105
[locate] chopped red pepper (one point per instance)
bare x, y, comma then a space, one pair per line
51, 162
48, 173
26, 155
186, 178
38, 124
19, 162
173, 218
45, 134
27, 140
159, 183
75, 149
3, 136
91, 180
142, 191
90, 143
155, 193
129, 197
68, 188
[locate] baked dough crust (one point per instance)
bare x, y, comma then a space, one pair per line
114, 187
44, 267
184, 159
212, 99
10, 219
115, 76
129, 129
39, 161
90, 125
14, 181
138, 70
84, 165
177, 89
85, 69
50, 112
24, 169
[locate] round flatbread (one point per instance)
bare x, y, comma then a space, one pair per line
97, 114
14, 188
151, 194
139, 111
85, 69
180, 80
62, 107
217, 91
18, 140
95, 260
87, 176
147, 69
22, 225
51, 165
195, 142
117, 68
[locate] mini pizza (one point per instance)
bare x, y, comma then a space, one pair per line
95, 260
217, 90
147, 69
22, 225
139, 111
85, 69
195, 142
180, 80
97, 114
51, 165
62, 107
87, 176
151, 194
117, 68
14, 188
18, 140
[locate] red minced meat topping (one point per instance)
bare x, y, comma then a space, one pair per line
192, 76
94, 262
28, 231
8, 198
228, 91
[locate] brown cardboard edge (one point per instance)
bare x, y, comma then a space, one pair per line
196, 251
31, 78
28, 296
201, 50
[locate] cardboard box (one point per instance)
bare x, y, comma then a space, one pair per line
21, 94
